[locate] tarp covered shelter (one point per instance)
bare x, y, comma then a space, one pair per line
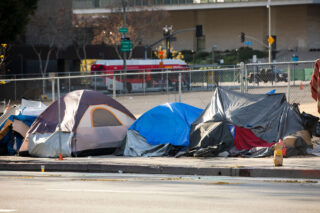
15, 122
32, 108
159, 128
12, 132
259, 120
91, 123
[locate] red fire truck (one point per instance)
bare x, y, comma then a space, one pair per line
139, 82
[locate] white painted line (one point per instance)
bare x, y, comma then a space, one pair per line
120, 191
7, 210
88, 190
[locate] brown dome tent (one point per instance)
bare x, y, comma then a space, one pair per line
91, 124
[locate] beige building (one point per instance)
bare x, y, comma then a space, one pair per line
295, 24
295, 27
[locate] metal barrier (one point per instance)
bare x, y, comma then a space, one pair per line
137, 82
291, 78
192, 86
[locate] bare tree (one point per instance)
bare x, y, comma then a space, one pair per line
48, 35
64, 31
141, 22
82, 35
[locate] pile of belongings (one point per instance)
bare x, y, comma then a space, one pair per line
14, 124
91, 123
249, 125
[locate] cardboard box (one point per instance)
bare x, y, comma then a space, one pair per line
290, 141
305, 135
20, 127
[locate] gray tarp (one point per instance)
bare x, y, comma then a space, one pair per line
269, 116
47, 144
137, 146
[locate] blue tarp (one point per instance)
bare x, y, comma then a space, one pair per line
8, 140
27, 119
167, 123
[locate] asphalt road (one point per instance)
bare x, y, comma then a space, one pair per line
81, 192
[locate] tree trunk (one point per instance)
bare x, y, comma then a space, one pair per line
85, 57
117, 51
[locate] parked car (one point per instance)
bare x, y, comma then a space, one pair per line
266, 75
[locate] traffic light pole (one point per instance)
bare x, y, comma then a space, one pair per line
269, 25
173, 33
124, 53
167, 33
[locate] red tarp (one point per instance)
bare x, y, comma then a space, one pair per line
245, 139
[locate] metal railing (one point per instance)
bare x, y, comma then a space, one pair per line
291, 78
90, 4
138, 82
192, 86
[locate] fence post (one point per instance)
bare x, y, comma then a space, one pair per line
246, 77
242, 73
15, 87
52, 89
180, 87
144, 82
59, 116
53, 82
234, 74
69, 82
167, 76
190, 80
289, 80
114, 86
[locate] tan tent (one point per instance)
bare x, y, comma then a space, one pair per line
91, 123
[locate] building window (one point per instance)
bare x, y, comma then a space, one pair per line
96, 3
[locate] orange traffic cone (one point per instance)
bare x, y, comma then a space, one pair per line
60, 156
301, 86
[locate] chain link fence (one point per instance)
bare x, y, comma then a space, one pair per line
140, 90
291, 78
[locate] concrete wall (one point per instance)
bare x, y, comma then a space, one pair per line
313, 28
296, 27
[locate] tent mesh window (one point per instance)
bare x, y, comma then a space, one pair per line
102, 117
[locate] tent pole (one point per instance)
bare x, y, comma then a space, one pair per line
242, 77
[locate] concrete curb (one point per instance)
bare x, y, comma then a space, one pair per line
160, 169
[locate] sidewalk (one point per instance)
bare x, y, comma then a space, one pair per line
306, 167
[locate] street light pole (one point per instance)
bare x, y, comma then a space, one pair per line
269, 24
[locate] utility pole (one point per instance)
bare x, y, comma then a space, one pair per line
167, 31
164, 38
124, 5
269, 24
